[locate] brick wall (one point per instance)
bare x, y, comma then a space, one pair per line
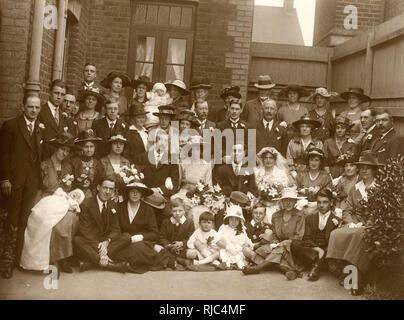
15, 22
108, 35
77, 46
393, 8
222, 43
370, 13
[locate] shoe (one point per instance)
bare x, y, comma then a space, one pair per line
182, 261
357, 292
222, 266
121, 267
193, 267
179, 267
85, 265
64, 266
250, 270
314, 273
157, 268
291, 275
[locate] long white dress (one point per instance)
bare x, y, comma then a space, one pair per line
44, 216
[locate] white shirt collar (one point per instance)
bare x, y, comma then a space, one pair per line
53, 108
100, 203
111, 121
323, 218
182, 221
361, 187
270, 123
371, 128
385, 134
133, 212
253, 223
28, 122
88, 84
234, 121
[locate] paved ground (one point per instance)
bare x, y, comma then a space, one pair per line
171, 285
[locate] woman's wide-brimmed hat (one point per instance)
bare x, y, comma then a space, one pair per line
146, 192
117, 138
95, 92
342, 120
179, 85
264, 82
315, 152
65, 139
357, 92
200, 84
137, 109
368, 158
306, 120
167, 110
106, 83
86, 136
188, 115
155, 200
234, 211
289, 193
322, 92
233, 91
294, 87
143, 80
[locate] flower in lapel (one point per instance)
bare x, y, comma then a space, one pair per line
113, 210
276, 129
369, 136
41, 125
283, 124
242, 125
335, 221
123, 125
132, 127
65, 129
350, 140
40, 142
338, 212
75, 123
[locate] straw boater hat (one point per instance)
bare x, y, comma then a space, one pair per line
106, 83
143, 80
233, 91
65, 139
322, 92
294, 87
167, 110
368, 158
88, 135
289, 193
200, 84
136, 184
179, 85
264, 82
188, 115
357, 92
306, 120
137, 109
156, 200
234, 211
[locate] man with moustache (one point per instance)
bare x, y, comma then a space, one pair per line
368, 132
20, 177
269, 132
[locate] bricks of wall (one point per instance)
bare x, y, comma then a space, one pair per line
222, 43
393, 8
77, 47
15, 22
108, 35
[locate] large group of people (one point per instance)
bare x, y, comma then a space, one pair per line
98, 180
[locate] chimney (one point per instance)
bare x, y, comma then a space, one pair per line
288, 5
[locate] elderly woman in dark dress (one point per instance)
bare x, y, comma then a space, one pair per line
88, 170
287, 225
141, 86
137, 221
339, 148
346, 244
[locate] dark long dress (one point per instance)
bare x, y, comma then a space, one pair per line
140, 255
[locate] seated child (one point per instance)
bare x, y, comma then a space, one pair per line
233, 239
256, 228
176, 230
202, 246
158, 97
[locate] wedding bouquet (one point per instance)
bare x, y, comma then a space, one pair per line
209, 196
270, 191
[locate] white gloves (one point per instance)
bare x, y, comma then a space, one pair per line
136, 238
169, 184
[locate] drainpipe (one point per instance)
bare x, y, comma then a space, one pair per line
33, 86
57, 71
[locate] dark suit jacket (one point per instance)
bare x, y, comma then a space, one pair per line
103, 131
226, 124
390, 146
134, 149
253, 112
254, 232
311, 229
144, 222
230, 182
277, 137
20, 153
155, 177
367, 140
91, 225
170, 232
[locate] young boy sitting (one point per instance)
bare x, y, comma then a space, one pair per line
202, 244
256, 228
175, 232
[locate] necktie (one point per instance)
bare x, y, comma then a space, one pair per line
30, 128
57, 115
267, 128
104, 213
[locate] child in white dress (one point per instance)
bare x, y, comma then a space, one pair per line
233, 239
202, 246
157, 97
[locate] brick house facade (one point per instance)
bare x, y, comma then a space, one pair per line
216, 36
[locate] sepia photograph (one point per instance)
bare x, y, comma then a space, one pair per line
202, 155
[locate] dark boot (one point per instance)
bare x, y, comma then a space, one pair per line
85, 265
64, 266
8, 259
314, 273
118, 266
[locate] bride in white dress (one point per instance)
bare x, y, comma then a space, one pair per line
271, 176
